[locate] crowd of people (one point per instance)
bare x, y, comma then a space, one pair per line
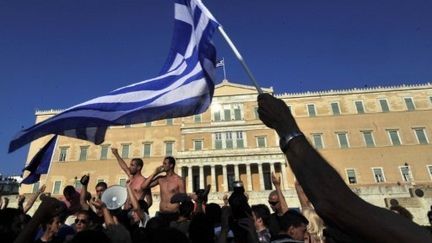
329, 212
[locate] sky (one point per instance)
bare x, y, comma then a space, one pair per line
57, 53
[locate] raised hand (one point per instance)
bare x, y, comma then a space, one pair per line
275, 180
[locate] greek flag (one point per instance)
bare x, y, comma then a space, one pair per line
40, 163
183, 88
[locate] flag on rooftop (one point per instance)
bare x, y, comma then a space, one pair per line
185, 86
40, 163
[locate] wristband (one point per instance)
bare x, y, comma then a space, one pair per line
285, 140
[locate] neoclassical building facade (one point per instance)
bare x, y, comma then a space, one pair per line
375, 138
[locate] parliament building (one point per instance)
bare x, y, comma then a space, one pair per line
378, 139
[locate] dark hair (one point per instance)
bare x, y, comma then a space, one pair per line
186, 208
171, 160
139, 162
101, 184
69, 191
213, 212
402, 211
292, 218
263, 212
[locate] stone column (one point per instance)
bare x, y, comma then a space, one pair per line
236, 172
190, 188
248, 177
213, 178
284, 175
225, 178
261, 177
201, 177
180, 171
272, 170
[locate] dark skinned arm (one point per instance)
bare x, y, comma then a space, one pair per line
332, 198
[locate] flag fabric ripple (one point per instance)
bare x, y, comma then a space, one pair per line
184, 87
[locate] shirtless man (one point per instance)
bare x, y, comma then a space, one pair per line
169, 184
135, 177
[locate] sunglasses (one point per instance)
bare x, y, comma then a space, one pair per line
83, 221
273, 203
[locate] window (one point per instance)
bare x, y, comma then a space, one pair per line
351, 175
198, 145
261, 141
240, 142
169, 121
229, 140
56, 187
384, 105
409, 103
127, 125
99, 180
335, 108
394, 137
77, 184
237, 113
227, 114
311, 110
405, 173
368, 139
35, 188
83, 153
125, 151
122, 182
359, 107
104, 152
218, 140
148, 124
378, 174
147, 150
256, 112
429, 169
343, 140
217, 116
421, 135
317, 140
169, 148
197, 118
63, 153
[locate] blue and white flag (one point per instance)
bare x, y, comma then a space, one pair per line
40, 163
185, 86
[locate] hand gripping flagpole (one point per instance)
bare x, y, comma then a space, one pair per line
240, 58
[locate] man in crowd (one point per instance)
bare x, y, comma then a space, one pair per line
100, 188
278, 204
261, 217
135, 176
333, 200
292, 227
169, 185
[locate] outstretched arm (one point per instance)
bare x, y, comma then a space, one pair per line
277, 183
152, 179
33, 198
134, 202
304, 201
321, 183
48, 208
83, 193
121, 162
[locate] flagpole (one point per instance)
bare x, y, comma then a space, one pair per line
223, 59
240, 58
